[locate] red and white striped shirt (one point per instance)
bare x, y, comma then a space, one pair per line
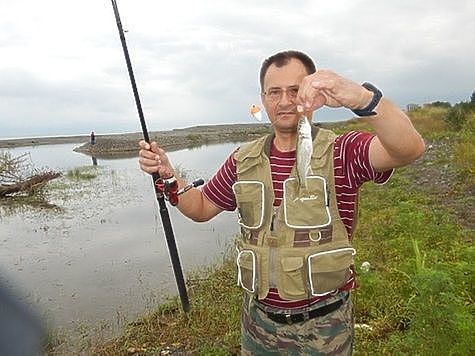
351, 169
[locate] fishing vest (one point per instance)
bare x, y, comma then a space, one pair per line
302, 247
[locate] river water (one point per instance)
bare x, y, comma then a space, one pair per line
99, 254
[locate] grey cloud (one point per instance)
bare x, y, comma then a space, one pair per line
34, 105
206, 71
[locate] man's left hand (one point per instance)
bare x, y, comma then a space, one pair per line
325, 87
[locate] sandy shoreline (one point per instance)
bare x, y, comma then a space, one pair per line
126, 144
115, 145
35, 141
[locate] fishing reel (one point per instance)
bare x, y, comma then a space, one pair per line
168, 188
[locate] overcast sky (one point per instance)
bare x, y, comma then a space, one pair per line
62, 69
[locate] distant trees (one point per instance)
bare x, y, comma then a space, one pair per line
412, 107
458, 115
440, 104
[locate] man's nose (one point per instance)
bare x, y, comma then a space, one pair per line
286, 98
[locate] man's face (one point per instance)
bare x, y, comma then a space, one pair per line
279, 94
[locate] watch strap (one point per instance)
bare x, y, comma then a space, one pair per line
369, 109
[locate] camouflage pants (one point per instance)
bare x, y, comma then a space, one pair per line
331, 334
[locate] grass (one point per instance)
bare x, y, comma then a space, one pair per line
81, 173
430, 121
211, 327
417, 296
464, 152
13, 205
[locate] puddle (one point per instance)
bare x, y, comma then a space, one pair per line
98, 254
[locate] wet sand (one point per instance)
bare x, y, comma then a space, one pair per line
34, 141
126, 145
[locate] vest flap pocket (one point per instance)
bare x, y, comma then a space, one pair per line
329, 261
292, 263
329, 270
250, 202
247, 270
306, 208
292, 278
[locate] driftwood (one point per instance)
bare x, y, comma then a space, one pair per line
29, 185
18, 175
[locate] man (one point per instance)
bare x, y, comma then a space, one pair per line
93, 138
295, 257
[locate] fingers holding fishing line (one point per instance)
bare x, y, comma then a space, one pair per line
309, 97
339, 91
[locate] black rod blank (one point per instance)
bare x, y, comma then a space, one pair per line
166, 222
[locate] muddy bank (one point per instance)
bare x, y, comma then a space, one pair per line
126, 145
119, 146
36, 141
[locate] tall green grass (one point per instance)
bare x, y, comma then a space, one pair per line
81, 173
464, 148
419, 295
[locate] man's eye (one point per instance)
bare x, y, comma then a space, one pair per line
274, 94
293, 91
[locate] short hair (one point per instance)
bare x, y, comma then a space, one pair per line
282, 58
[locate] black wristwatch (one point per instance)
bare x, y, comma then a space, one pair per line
368, 110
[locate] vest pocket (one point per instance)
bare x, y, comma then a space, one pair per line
329, 270
292, 278
247, 270
250, 202
306, 208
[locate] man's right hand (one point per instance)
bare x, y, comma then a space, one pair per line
153, 159
196, 206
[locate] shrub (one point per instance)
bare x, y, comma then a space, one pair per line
81, 173
458, 114
429, 120
464, 149
440, 104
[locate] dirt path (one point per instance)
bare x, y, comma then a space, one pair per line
435, 173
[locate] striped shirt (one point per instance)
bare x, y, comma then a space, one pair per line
351, 169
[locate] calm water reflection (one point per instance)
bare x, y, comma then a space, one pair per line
102, 254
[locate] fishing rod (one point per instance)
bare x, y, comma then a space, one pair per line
159, 188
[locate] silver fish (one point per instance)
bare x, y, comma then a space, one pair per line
304, 151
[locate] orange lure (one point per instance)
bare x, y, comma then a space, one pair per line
256, 112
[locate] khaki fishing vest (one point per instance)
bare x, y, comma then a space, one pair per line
302, 247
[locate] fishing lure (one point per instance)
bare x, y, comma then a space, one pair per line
256, 112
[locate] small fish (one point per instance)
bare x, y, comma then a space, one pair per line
304, 151
256, 112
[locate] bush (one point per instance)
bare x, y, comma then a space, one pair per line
440, 104
81, 173
429, 120
457, 116
464, 149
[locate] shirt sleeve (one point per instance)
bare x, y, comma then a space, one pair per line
355, 159
218, 189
